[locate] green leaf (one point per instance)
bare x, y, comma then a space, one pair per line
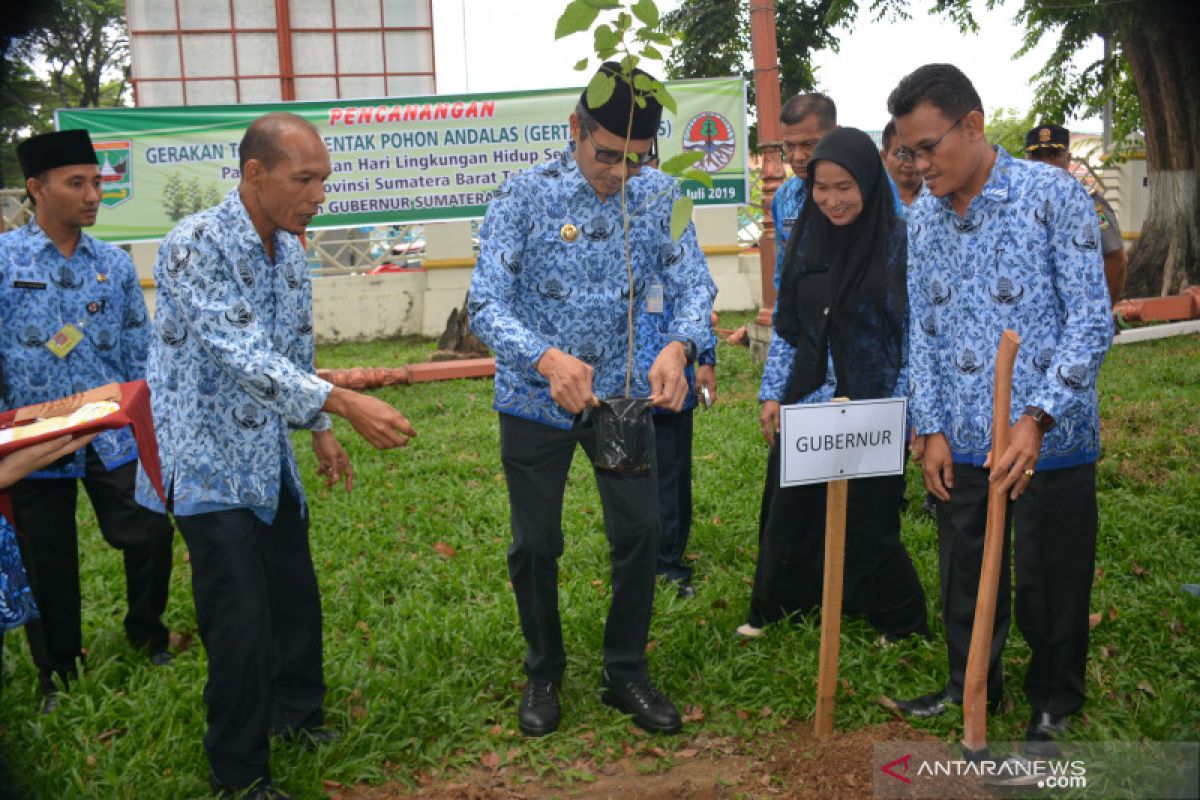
606, 54
681, 215
700, 176
629, 64
605, 38
581, 65
577, 16
666, 98
656, 37
647, 12
600, 89
643, 83
603, 4
624, 21
640, 100
651, 52
675, 165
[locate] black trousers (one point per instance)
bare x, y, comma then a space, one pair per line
879, 581
45, 516
536, 460
673, 443
259, 613
1054, 524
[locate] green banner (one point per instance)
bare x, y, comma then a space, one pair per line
395, 160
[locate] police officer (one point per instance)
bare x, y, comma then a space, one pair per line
1051, 144
72, 317
550, 296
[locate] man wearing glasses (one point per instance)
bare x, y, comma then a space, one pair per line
550, 296
998, 243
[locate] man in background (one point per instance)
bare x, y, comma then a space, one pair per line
805, 119
903, 175
1051, 144
72, 317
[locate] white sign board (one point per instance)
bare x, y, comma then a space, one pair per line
830, 441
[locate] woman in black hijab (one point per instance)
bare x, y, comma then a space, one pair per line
842, 314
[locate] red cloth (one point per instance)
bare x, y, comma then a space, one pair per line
134, 411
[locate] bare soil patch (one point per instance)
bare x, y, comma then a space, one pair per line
791, 763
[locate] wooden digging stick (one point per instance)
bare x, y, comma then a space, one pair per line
831, 603
976, 679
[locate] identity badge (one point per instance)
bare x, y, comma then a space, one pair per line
65, 340
654, 298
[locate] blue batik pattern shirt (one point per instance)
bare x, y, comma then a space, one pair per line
533, 289
16, 598
655, 337
97, 291
231, 369
1025, 256
785, 210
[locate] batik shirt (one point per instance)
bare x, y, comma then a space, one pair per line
540, 284
231, 369
16, 598
97, 291
785, 210
657, 336
1025, 256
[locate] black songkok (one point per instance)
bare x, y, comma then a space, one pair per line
1047, 137
59, 149
613, 115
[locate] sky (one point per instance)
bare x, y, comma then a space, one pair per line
509, 45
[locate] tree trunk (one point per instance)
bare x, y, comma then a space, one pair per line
1166, 69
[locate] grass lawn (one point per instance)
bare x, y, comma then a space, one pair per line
423, 650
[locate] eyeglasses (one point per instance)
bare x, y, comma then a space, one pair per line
614, 157
924, 152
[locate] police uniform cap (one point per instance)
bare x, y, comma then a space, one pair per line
1047, 137
613, 114
57, 149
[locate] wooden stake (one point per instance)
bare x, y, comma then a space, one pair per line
975, 681
831, 603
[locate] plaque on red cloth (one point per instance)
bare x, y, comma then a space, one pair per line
107, 407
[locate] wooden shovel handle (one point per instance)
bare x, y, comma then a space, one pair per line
975, 680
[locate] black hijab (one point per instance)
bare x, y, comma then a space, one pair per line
843, 290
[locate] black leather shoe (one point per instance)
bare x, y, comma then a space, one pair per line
686, 591
1040, 735
162, 658
540, 712
650, 708
933, 704
262, 790
51, 703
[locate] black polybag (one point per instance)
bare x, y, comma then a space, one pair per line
623, 431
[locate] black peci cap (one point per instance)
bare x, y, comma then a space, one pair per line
59, 149
613, 115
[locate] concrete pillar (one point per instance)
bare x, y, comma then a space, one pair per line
717, 232
449, 261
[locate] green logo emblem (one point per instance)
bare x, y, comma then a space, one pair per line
116, 171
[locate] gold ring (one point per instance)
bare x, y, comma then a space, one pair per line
1028, 473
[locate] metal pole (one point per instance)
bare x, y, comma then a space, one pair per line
766, 89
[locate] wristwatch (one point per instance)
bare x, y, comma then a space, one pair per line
689, 350
1044, 421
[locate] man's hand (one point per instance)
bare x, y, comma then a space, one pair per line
332, 462
1015, 468
916, 446
706, 377
768, 418
570, 380
937, 466
668, 386
18, 464
376, 421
